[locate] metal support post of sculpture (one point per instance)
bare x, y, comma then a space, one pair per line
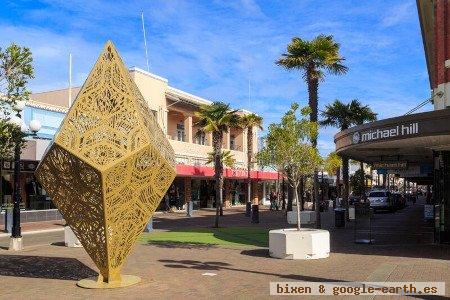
108, 168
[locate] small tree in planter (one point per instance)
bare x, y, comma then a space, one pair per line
288, 149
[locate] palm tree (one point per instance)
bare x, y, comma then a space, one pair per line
249, 122
333, 164
339, 115
226, 157
217, 118
361, 115
314, 58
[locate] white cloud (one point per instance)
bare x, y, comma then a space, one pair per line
212, 48
398, 13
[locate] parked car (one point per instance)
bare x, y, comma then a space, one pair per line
381, 199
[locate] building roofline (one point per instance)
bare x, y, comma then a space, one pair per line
187, 96
139, 70
46, 106
56, 90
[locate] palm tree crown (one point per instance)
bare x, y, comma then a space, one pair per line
341, 115
226, 157
251, 120
361, 113
321, 53
216, 117
337, 114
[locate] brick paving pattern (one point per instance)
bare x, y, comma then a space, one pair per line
402, 252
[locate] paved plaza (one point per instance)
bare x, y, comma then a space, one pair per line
403, 251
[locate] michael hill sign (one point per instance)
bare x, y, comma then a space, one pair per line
385, 133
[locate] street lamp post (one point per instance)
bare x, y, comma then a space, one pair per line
34, 127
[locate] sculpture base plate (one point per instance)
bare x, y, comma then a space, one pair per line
94, 283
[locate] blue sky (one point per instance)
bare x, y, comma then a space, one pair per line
212, 48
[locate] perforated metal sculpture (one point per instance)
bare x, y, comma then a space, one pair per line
108, 167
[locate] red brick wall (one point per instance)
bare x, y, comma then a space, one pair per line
442, 41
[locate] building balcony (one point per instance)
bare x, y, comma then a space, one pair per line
197, 155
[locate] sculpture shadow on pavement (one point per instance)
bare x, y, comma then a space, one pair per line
46, 267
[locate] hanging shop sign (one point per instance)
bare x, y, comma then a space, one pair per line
385, 133
390, 165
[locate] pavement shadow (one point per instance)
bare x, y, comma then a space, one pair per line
256, 252
62, 268
217, 266
182, 245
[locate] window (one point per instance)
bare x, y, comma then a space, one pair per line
232, 142
200, 138
180, 132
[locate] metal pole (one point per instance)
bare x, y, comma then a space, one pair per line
16, 231
70, 80
145, 42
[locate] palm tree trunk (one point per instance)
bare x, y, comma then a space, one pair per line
363, 180
338, 183
313, 90
249, 162
218, 173
345, 193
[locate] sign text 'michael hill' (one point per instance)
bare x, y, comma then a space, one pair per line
398, 130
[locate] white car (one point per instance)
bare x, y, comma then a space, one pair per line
381, 199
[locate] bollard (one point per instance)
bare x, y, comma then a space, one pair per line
8, 219
248, 209
190, 208
339, 217
255, 213
149, 226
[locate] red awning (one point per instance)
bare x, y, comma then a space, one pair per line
204, 171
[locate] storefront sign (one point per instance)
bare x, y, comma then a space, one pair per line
385, 133
390, 165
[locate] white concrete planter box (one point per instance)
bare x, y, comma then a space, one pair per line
306, 216
299, 244
70, 239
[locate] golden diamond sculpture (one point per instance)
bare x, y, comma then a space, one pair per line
108, 168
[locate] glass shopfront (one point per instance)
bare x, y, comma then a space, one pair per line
33, 195
441, 196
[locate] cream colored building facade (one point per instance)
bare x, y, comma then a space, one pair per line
174, 110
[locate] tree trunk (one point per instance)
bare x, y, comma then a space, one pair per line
338, 183
283, 194
290, 197
249, 162
302, 191
345, 193
313, 90
218, 173
295, 188
363, 180
278, 188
